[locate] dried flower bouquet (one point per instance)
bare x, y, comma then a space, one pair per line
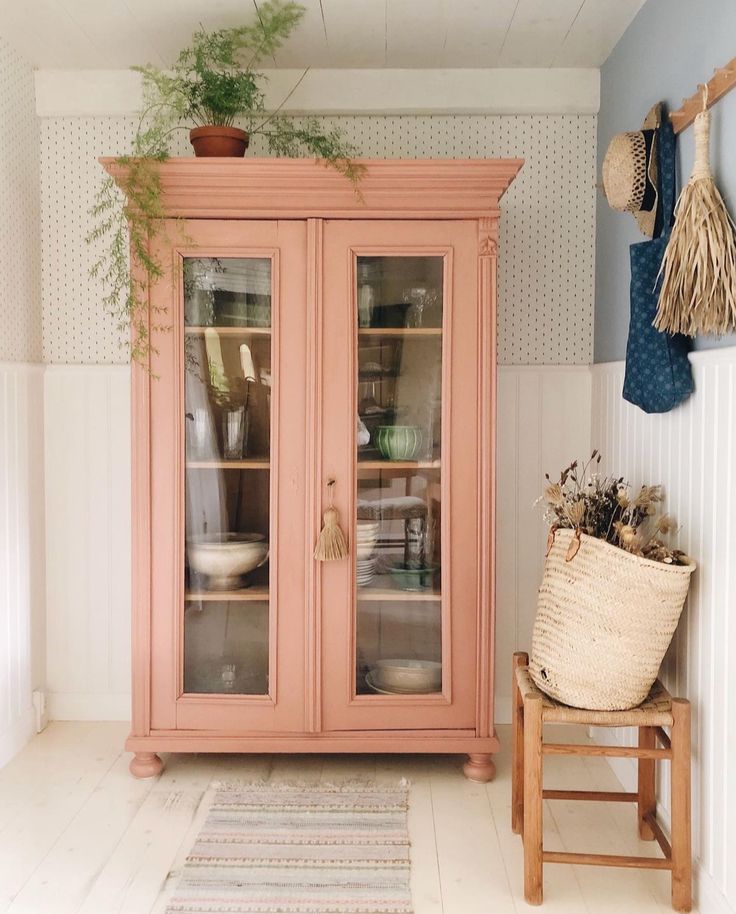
606, 508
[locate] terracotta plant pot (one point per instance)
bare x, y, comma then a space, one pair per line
219, 141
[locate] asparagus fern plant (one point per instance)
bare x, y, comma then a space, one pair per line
214, 81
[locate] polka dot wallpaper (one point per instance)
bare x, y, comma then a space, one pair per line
547, 229
20, 247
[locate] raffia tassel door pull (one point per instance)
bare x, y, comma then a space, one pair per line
331, 542
698, 292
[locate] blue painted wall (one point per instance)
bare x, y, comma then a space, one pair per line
670, 47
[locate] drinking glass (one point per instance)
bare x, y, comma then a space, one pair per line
418, 298
234, 432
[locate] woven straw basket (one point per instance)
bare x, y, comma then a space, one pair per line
604, 622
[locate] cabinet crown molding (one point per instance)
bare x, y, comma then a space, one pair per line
258, 188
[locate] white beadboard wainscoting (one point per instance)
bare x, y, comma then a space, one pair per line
21, 552
543, 421
543, 424
692, 452
88, 541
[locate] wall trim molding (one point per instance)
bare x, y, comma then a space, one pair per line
82, 368
531, 369
718, 356
117, 93
24, 367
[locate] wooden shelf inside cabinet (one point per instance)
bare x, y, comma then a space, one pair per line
246, 464
390, 465
246, 595
229, 331
383, 594
400, 331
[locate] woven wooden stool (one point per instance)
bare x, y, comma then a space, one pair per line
532, 709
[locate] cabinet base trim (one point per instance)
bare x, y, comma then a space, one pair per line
401, 742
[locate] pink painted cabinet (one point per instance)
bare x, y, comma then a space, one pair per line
304, 335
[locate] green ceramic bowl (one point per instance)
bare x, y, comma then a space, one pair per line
413, 578
398, 442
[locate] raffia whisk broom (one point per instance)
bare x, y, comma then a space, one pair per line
698, 292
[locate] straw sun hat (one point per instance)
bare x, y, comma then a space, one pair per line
630, 172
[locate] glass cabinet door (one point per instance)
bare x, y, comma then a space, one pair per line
227, 446
398, 542
227, 408
402, 611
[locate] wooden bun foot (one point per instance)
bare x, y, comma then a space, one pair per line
479, 767
146, 765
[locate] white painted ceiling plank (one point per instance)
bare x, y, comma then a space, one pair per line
171, 23
537, 31
44, 34
595, 32
113, 30
356, 32
308, 43
425, 34
416, 31
475, 32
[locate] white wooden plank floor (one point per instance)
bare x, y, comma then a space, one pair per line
78, 834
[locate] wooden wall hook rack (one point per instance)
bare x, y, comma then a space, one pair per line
722, 81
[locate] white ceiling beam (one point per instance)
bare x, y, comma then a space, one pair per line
80, 93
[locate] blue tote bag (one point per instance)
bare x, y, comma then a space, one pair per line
658, 374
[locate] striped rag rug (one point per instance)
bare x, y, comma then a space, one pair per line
273, 849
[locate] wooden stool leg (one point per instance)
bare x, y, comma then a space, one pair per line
646, 802
533, 799
682, 875
517, 761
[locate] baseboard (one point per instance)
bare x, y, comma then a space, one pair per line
85, 706
708, 897
15, 737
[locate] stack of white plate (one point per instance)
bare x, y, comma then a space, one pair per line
365, 539
366, 570
366, 536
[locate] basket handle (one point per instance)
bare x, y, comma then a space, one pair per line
572, 549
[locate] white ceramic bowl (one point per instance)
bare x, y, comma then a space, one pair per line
367, 528
408, 675
225, 557
364, 550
